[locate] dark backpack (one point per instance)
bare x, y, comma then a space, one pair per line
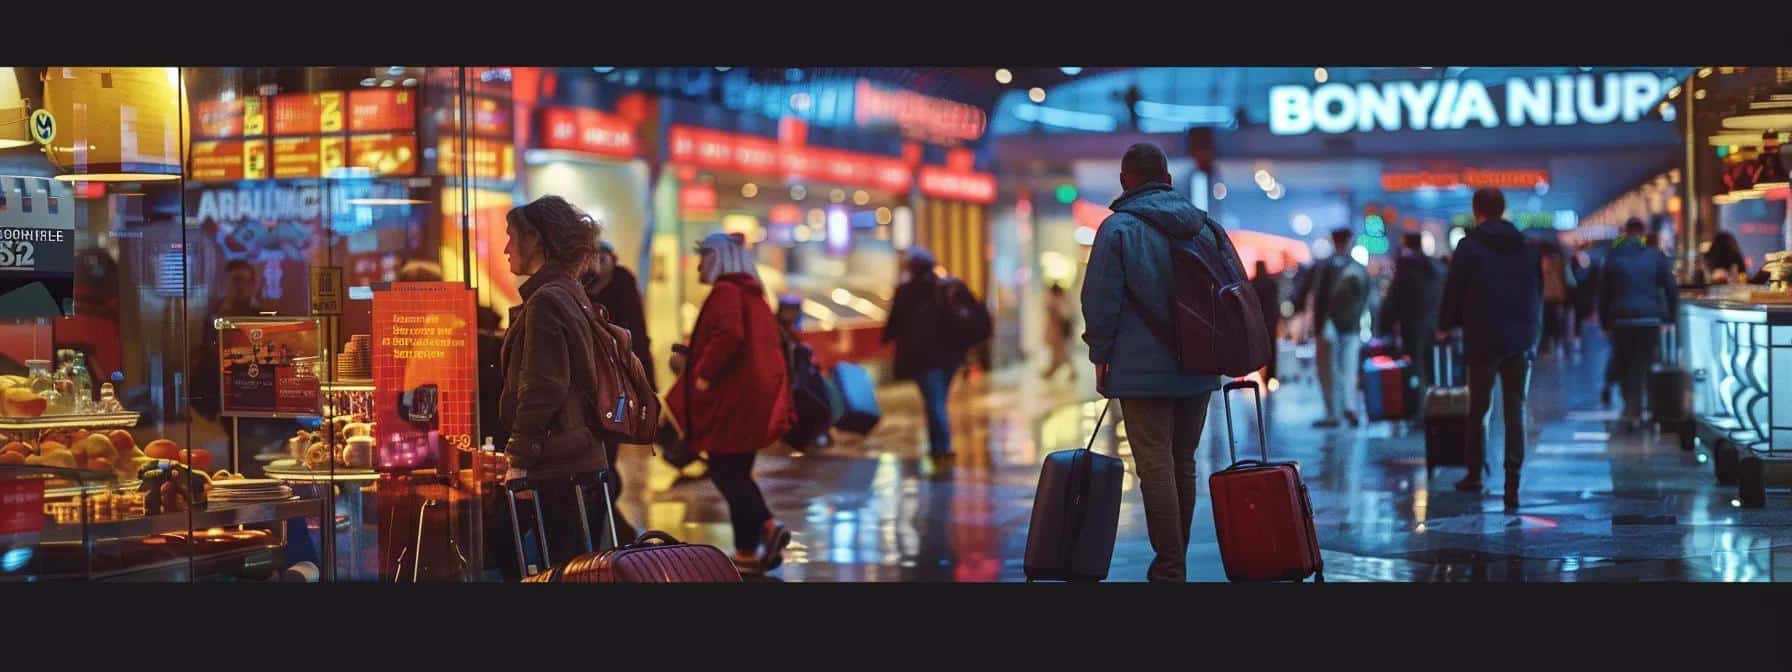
965, 322
1216, 324
815, 410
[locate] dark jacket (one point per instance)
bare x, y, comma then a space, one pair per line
738, 347
622, 299
1341, 292
1636, 287
1494, 293
1133, 255
1269, 297
550, 374
914, 326
1410, 308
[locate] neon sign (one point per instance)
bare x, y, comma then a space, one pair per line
1451, 104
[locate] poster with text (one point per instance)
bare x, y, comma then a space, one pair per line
268, 367
424, 358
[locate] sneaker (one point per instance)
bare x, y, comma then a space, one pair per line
772, 546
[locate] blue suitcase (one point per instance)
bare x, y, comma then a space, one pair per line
859, 396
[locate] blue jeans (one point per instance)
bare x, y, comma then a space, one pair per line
935, 385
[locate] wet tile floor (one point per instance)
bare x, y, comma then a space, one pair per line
1596, 505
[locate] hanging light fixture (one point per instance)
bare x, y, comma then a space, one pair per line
14, 112
1759, 121
115, 124
1748, 138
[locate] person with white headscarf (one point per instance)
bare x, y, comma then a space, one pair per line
733, 395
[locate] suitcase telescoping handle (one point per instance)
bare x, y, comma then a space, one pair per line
511, 488
1442, 368
1262, 428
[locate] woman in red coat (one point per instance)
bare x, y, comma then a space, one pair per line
737, 391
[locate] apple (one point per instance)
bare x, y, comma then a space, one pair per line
9, 457
163, 449
122, 440
202, 460
99, 464
47, 446
97, 445
20, 402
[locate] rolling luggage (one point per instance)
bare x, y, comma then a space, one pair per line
1388, 388
859, 396
653, 557
1670, 387
1076, 514
1261, 511
1446, 416
808, 391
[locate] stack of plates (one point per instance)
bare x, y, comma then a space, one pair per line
249, 490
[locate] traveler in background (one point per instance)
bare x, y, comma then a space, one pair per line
1269, 296
921, 354
550, 369
1340, 299
1410, 308
612, 286
1164, 408
1057, 331
733, 397
1637, 299
1494, 294
1558, 287
1724, 263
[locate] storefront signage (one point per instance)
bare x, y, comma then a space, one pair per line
43, 127
925, 117
307, 157
944, 183
1472, 178
381, 110
697, 199
423, 366
228, 160
587, 130
308, 113
37, 248
219, 118
268, 367
753, 155
1563, 100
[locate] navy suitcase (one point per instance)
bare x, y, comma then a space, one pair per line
1670, 387
859, 396
1076, 514
1446, 417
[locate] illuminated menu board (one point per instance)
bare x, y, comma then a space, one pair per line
305, 135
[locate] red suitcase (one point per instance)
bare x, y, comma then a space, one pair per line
1261, 512
664, 560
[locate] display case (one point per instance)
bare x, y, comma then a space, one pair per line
1739, 354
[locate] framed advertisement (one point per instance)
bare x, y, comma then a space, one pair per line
424, 359
267, 367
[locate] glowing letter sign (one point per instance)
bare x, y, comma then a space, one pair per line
1452, 104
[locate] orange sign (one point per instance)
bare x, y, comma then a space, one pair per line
754, 155
384, 153
1472, 178
490, 159
587, 130
943, 183
227, 160
308, 113
219, 118
297, 157
382, 110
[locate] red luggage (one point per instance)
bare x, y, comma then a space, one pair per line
653, 557
1261, 512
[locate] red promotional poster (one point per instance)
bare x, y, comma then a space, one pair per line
424, 360
215, 160
382, 110
297, 157
268, 367
587, 130
21, 505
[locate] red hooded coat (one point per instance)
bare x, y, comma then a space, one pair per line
736, 347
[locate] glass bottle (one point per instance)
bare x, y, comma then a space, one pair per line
74, 367
40, 381
108, 400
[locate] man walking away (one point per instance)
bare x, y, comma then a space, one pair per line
1339, 302
1494, 294
1410, 308
1164, 408
1637, 298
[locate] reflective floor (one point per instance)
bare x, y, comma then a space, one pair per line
1596, 505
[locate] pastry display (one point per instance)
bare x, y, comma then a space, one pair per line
349, 444
102, 507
